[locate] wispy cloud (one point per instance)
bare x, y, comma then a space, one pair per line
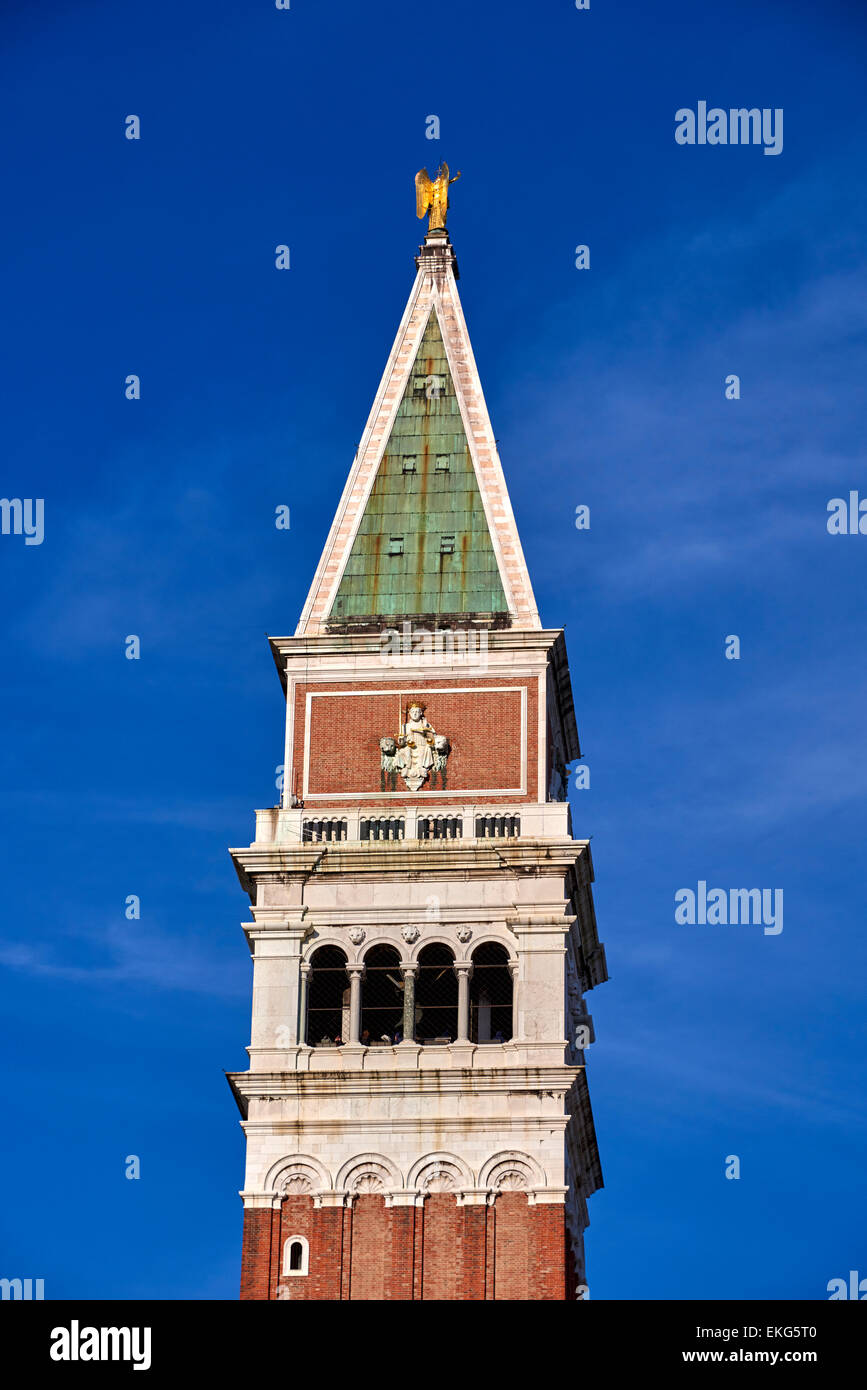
692, 490
132, 954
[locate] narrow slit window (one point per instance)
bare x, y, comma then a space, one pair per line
447, 545
442, 463
409, 463
395, 545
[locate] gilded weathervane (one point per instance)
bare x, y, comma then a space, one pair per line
433, 195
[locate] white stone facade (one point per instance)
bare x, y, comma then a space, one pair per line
409, 1108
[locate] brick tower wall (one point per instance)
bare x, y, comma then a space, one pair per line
438, 1251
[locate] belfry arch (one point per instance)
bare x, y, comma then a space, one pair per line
491, 994
327, 996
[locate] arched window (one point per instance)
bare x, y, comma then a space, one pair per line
490, 994
381, 995
296, 1254
328, 997
436, 995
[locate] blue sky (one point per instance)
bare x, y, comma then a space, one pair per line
606, 387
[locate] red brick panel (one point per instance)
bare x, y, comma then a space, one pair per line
513, 1246
550, 1262
400, 1246
473, 1285
484, 730
326, 1254
265, 1236
483, 726
443, 1230
530, 1250
297, 1218
370, 1245
256, 1253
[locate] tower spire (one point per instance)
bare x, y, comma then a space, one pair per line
425, 525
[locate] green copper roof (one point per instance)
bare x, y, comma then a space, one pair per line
423, 546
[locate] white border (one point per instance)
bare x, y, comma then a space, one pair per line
305, 1257
289, 745
465, 793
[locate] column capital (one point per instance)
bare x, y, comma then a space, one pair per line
404, 1197
547, 1196
356, 968
473, 1196
409, 967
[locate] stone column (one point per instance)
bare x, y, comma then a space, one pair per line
541, 1013
356, 975
277, 942
302, 1003
409, 970
463, 970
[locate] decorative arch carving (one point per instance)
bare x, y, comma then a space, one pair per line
511, 1179
369, 1181
511, 1171
439, 1172
297, 1175
296, 1183
369, 1173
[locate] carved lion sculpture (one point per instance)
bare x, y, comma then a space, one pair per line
442, 748
388, 764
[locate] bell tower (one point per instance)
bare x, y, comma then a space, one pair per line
416, 1109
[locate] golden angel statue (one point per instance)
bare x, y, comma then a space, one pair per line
433, 194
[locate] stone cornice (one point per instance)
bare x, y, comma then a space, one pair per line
398, 859
504, 1080
312, 650
499, 1124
